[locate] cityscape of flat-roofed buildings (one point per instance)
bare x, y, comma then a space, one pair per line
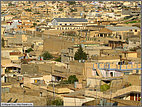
71, 53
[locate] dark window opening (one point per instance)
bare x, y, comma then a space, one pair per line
137, 71
111, 74
101, 35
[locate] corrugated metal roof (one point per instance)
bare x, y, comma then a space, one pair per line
121, 28
70, 20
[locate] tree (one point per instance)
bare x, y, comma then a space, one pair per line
34, 24
2, 42
72, 79
46, 55
71, 2
28, 10
29, 50
57, 102
61, 9
73, 10
80, 54
10, 4
104, 87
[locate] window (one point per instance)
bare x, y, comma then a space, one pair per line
60, 24
14, 68
137, 71
111, 74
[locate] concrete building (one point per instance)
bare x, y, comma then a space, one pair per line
119, 32
68, 21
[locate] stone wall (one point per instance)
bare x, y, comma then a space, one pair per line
76, 67
56, 44
41, 69
133, 79
29, 69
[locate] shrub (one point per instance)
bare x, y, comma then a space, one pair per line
104, 87
29, 50
71, 2
57, 102
34, 24
2, 42
46, 55
72, 79
28, 10
61, 9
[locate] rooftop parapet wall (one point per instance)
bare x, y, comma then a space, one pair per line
116, 66
115, 94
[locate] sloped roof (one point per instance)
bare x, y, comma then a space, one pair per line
15, 53
121, 28
70, 20
104, 30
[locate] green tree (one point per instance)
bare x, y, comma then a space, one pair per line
29, 50
46, 55
2, 42
28, 10
104, 87
34, 24
80, 54
10, 4
72, 79
71, 2
57, 102
61, 9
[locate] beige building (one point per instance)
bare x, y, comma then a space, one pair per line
76, 98
119, 32
69, 23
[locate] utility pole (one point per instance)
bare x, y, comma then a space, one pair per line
53, 90
53, 82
